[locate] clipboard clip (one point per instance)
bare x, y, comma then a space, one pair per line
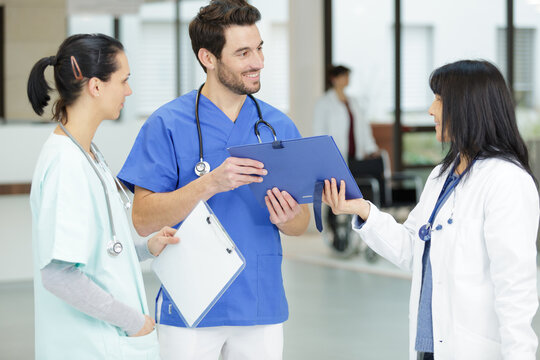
210, 222
277, 144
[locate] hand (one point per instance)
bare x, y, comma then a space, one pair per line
336, 200
164, 237
235, 172
373, 155
148, 327
281, 205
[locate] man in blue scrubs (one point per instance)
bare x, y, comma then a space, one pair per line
246, 323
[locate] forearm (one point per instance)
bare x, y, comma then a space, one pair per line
141, 247
75, 288
298, 225
387, 237
152, 211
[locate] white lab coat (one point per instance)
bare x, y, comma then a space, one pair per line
331, 118
483, 264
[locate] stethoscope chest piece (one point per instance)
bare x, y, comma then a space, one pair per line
115, 247
201, 168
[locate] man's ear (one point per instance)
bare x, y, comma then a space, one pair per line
94, 86
207, 58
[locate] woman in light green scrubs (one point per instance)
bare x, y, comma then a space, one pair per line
89, 303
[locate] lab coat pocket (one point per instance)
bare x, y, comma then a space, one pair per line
271, 301
469, 260
140, 347
470, 345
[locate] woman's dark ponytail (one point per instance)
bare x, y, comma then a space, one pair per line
38, 88
79, 58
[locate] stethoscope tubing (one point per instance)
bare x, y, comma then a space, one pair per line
205, 166
94, 149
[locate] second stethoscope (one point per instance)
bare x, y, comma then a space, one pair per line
203, 167
114, 246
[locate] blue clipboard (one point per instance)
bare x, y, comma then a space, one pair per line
297, 165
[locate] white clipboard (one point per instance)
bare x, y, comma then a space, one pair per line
199, 269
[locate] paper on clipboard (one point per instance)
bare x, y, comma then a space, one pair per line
198, 270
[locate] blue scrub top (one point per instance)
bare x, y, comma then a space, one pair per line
163, 159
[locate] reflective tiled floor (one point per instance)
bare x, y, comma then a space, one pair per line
339, 309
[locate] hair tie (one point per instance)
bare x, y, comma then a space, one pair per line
76, 69
52, 60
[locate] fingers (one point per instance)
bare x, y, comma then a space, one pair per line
245, 166
150, 320
147, 328
245, 162
334, 198
168, 231
278, 209
235, 172
334, 192
326, 193
341, 195
281, 206
273, 215
167, 236
168, 240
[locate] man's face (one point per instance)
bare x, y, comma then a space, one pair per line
242, 59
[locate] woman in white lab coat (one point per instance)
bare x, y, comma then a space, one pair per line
90, 301
335, 112
471, 240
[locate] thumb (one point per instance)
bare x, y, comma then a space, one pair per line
172, 240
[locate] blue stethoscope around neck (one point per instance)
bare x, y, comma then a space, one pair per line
449, 186
114, 246
202, 167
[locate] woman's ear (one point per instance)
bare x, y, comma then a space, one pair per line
94, 86
207, 58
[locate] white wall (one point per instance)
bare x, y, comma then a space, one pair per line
20, 144
306, 60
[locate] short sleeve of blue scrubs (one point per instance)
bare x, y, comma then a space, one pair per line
163, 159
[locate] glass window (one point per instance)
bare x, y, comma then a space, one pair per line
526, 70
362, 33
148, 35
436, 32
362, 40
156, 57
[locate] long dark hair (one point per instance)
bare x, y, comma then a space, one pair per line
478, 114
79, 58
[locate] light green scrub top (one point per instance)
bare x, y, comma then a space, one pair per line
71, 224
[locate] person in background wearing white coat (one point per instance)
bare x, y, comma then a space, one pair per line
471, 240
341, 116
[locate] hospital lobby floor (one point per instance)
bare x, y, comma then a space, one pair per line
340, 309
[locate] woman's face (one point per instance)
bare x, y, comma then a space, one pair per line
115, 90
340, 81
435, 110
